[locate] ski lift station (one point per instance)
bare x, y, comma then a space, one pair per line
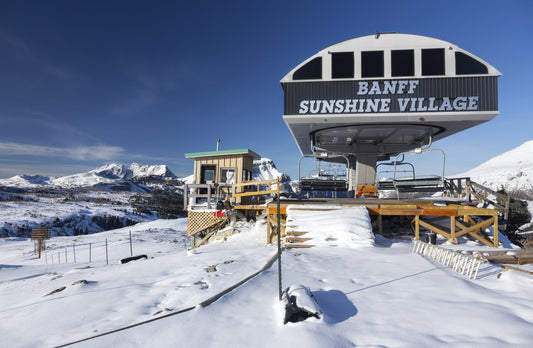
371, 102
375, 97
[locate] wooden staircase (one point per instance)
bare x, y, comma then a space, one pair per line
296, 239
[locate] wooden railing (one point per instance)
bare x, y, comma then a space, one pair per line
257, 191
473, 192
215, 192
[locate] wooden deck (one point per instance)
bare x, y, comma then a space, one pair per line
448, 218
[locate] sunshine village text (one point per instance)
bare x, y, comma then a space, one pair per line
380, 102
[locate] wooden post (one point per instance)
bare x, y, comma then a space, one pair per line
417, 227
209, 197
185, 196
452, 226
40, 240
496, 242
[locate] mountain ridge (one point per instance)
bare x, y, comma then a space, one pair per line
126, 176
511, 170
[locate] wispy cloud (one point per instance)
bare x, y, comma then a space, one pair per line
80, 153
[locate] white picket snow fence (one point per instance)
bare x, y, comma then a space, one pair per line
467, 265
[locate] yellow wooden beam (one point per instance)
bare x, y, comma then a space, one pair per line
254, 193
482, 240
436, 228
250, 207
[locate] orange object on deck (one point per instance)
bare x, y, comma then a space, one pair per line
367, 191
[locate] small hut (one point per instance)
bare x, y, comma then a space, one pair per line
217, 170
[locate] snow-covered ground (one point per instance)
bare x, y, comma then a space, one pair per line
80, 209
372, 291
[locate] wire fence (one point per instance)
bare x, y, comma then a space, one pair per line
93, 252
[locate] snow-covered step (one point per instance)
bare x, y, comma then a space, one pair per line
333, 225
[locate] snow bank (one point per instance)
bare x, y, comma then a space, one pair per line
332, 225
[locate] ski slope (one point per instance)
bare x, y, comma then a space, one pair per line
372, 291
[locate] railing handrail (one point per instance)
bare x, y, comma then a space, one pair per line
502, 201
233, 192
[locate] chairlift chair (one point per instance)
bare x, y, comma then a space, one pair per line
413, 184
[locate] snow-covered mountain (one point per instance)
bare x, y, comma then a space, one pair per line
512, 170
119, 176
265, 169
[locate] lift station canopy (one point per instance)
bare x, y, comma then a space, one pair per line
383, 94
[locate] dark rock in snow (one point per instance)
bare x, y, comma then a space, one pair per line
133, 258
300, 304
56, 290
83, 281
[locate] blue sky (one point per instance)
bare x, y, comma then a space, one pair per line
86, 83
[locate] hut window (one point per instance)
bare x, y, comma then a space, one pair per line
310, 71
433, 61
227, 176
466, 65
342, 65
207, 174
372, 64
246, 175
402, 63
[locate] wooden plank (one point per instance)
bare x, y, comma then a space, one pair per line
488, 243
289, 240
440, 212
466, 210
398, 206
258, 182
417, 227
254, 193
40, 233
314, 209
505, 268
296, 233
290, 246
476, 228
453, 227
435, 228
250, 207
399, 212
274, 211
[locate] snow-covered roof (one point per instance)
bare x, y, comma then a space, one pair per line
193, 155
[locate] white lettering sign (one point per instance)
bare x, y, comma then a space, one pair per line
372, 98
